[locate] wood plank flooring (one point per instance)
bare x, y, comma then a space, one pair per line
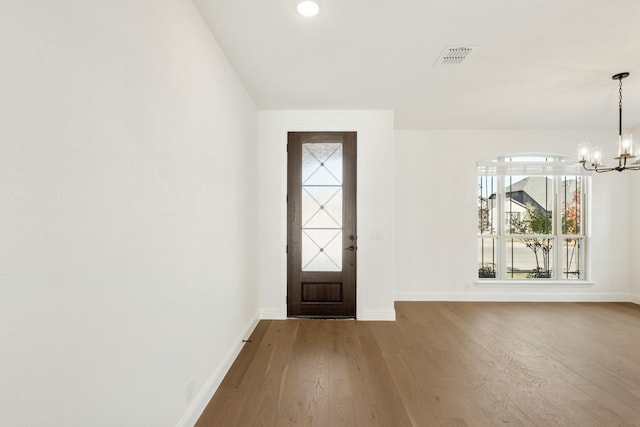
441, 364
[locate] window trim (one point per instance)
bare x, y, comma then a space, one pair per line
556, 169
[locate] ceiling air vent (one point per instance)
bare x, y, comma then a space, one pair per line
454, 55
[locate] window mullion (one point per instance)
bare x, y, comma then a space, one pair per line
557, 225
501, 269
585, 220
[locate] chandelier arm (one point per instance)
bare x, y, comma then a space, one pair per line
597, 169
603, 170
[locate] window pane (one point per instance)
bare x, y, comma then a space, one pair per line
529, 258
528, 205
571, 205
572, 259
487, 214
486, 258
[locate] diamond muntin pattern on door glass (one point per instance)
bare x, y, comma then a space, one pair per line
322, 207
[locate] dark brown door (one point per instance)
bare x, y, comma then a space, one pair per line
321, 230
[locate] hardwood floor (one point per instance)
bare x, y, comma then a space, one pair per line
441, 364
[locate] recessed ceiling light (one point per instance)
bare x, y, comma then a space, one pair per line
308, 8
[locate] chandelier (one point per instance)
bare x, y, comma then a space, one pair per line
627, 154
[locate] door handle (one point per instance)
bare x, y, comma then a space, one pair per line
351, 248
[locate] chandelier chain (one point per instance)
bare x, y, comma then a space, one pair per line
620, 91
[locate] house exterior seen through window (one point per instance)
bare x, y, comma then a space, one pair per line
532, 219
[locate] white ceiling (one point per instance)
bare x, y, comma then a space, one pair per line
538, 63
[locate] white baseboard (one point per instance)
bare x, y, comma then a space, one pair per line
635, 298
386, 315
199, 403
520, 296
273, 314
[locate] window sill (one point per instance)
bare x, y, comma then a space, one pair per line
531, 282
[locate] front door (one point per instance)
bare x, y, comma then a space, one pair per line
321, 230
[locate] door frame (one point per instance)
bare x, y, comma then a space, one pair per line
349, 232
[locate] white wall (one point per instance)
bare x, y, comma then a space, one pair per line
128, 192
435, 215
375, 205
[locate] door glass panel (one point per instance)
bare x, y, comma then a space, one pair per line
321, 250
322, 207
322, 164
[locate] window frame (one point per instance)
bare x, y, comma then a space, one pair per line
558, 169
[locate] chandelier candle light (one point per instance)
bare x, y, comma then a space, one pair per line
626, 150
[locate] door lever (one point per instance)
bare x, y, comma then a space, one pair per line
351, 248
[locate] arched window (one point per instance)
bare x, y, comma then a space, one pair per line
532, 218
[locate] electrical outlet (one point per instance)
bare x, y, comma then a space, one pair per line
467, 285
188, 391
